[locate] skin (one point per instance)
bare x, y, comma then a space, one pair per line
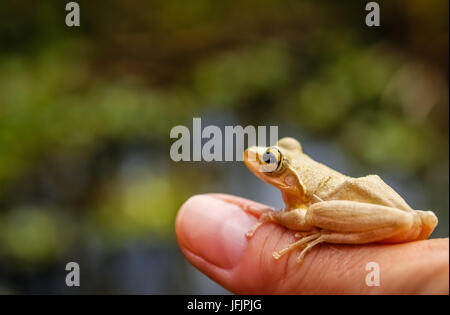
326, 206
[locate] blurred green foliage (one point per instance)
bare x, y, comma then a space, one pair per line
76, 103
35, 235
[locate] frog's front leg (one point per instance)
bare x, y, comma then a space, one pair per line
266, 216
292, 219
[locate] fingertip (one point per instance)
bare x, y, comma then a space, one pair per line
213, 229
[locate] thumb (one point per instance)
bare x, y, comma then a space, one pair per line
211, 233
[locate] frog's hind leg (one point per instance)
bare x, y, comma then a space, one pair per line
429, 222
305, 240
305, 233
310, 245
364, 222
348, 222
344, 238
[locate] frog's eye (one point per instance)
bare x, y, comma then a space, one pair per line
271, 159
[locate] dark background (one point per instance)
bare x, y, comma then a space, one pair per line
85, 116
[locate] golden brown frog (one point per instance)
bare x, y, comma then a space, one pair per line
327, 206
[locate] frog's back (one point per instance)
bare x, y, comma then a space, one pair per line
370, 189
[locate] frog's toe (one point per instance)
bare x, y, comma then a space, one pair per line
252, 231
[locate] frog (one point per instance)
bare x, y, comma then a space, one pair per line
323, 205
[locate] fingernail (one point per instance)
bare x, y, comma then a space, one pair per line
214, 230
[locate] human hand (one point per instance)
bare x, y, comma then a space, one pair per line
211, 233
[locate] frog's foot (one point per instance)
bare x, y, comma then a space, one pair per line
310, 245
265, 217
252, 231
305, 241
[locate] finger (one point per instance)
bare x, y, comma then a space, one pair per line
211, 233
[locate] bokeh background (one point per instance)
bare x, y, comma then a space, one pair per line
85, 116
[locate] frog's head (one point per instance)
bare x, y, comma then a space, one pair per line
276, 165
